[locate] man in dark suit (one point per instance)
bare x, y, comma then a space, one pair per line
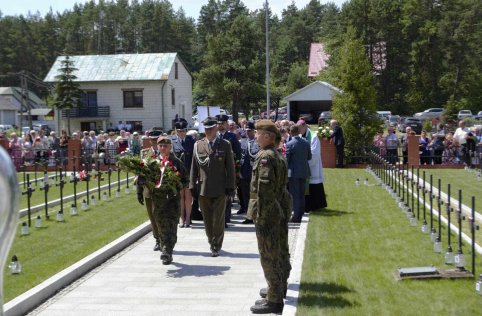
182, 147
223, 133
339, 141
213, 171
298, 152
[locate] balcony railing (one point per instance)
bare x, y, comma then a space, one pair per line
100, 111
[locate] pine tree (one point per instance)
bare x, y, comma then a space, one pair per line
67, 92
354, 108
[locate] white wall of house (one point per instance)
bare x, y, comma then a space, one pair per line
111, 94
183, 94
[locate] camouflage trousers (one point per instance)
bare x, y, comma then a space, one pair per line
167, 209
272, 241
150, 213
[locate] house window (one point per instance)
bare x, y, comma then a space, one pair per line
173, 98
89, 98
133, 99
176, 71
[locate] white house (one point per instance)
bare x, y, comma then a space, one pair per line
311, 100
11, 102
142, 90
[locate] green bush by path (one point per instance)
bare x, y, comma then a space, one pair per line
354, 247
56, 246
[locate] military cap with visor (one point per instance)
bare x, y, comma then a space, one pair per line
222, 118
209, 122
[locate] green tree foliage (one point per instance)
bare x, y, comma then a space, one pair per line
355, 106
67, 94
431, 48
233, 67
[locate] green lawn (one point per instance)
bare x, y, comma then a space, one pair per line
459, 179
353, 249
38, 196
56, 246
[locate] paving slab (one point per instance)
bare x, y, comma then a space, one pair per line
134, 282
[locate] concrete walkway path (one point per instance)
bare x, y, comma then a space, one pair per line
134, 282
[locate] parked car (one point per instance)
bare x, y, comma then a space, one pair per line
324, 117
393, 120
255, 117
464, 114
383, 115
429, 113
5, 127
478, 117
414, 123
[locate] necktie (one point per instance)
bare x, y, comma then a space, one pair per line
182, 142
210, 144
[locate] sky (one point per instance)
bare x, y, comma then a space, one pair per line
191, 7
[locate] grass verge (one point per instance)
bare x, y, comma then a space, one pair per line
459, 179
57, 245
38, 196
353, 249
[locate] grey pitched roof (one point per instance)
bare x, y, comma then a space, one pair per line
16, 92
120, 67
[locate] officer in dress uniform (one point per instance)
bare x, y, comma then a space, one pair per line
143, 193
223, 133
182, 147
249, 149
267, 194
213, 171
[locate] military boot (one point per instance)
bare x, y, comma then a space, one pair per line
267, 307
157, 246
166, 258
260, 301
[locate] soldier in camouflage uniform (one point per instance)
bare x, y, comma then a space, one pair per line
267, 194
143, 193
167, 202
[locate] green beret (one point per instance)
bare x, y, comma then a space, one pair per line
268, 126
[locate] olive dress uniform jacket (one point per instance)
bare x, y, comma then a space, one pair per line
212, 168
235, 145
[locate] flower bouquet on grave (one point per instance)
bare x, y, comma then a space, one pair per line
170, 177
84, 175
146, 168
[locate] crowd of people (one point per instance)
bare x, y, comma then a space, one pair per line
463, 146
